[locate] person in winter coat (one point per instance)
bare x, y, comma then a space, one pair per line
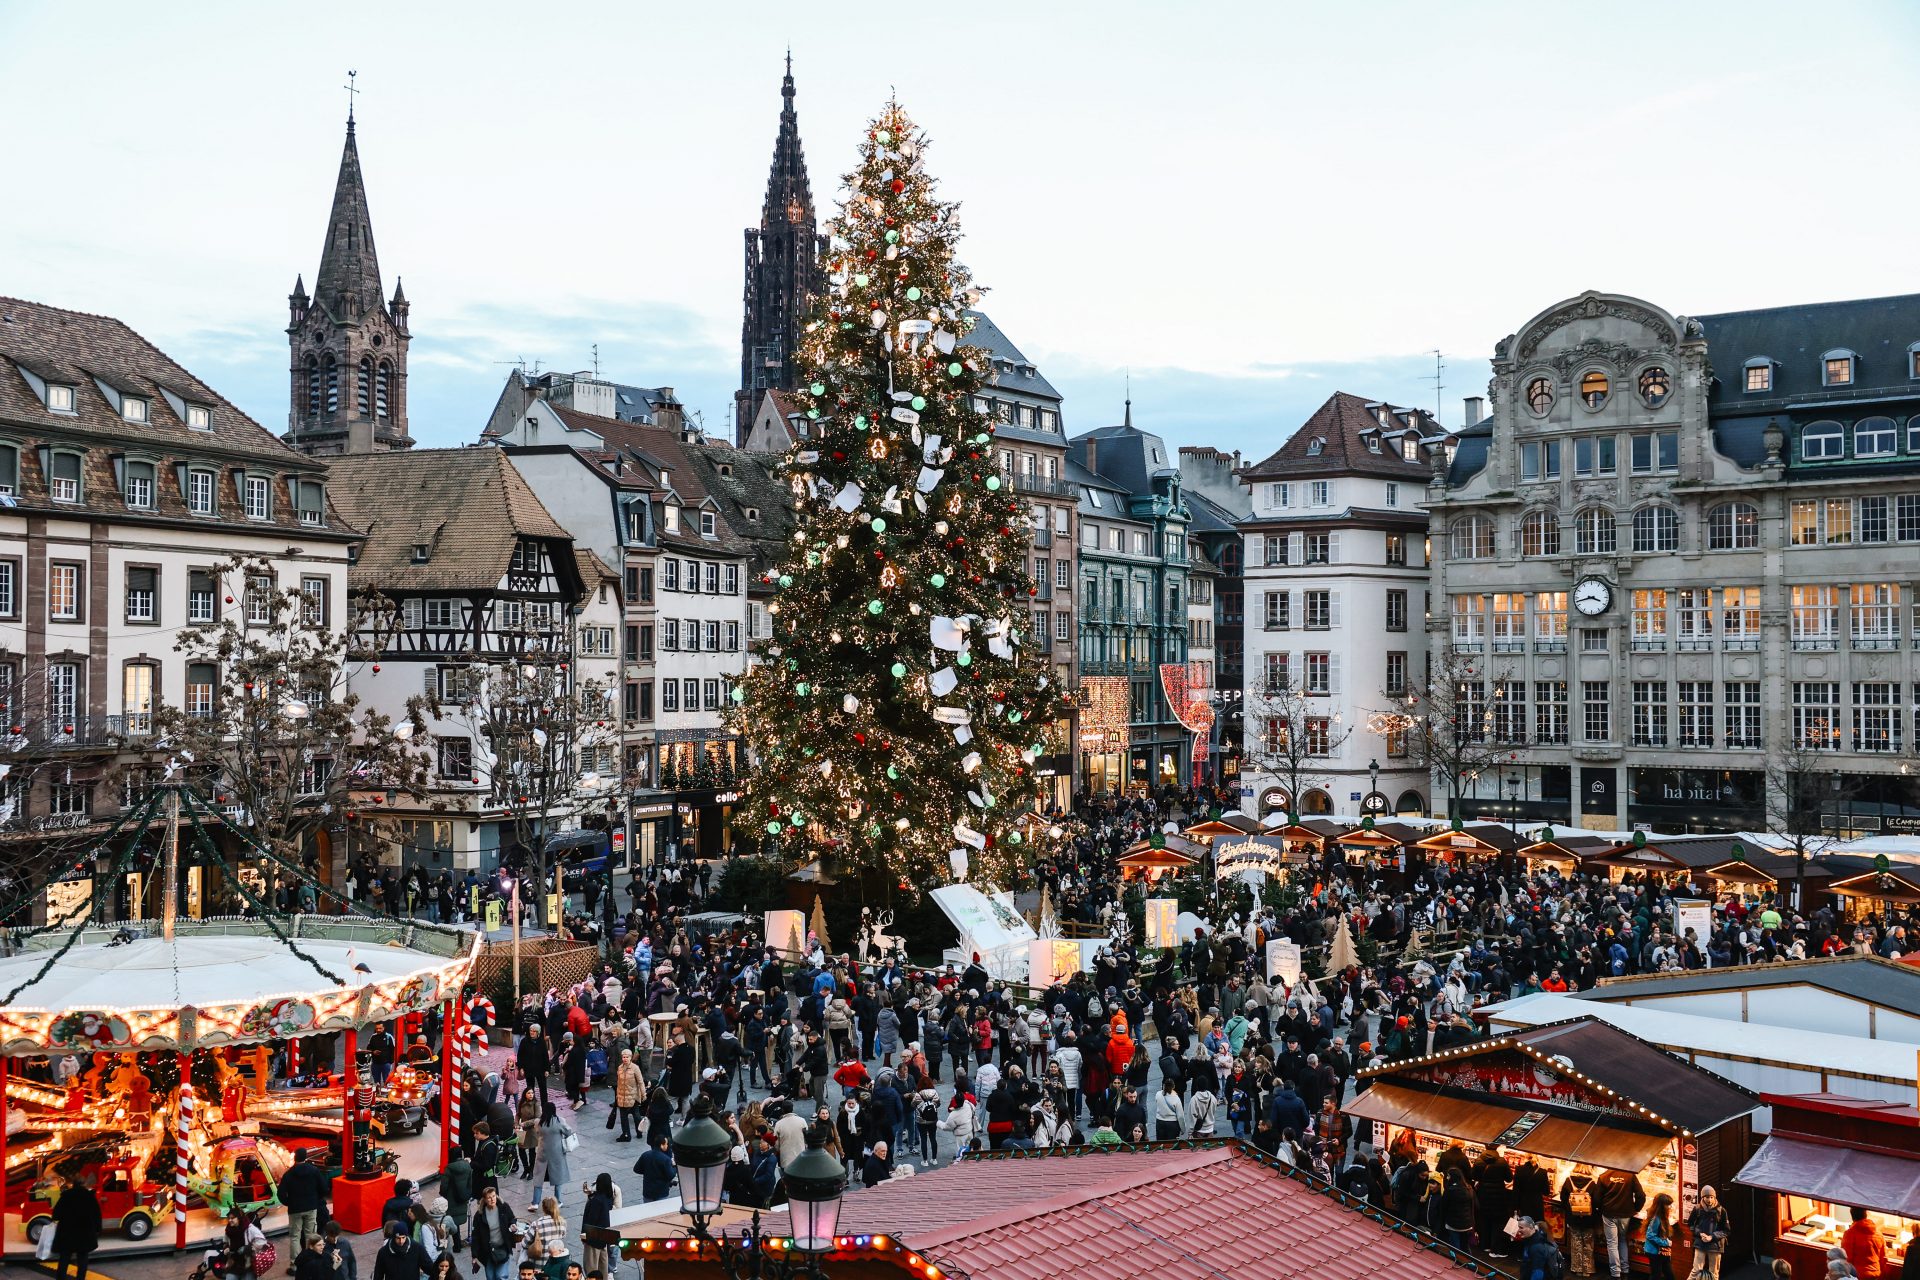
629, 1087
1169, 1115
554, 1132
1658, 1242
1620, 1199
680, 1072
1067, 1058
1457, 1210
457, 1185
1539, 1260
493, 1235
886, 1033
1580, 1203
1285, 1110
1050, 1128
1861, 1241
1710, 1227
960, 1122
1493, 1203
536, 1062
76, 1227
1202, 1108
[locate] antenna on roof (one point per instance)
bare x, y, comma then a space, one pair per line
596, 362
1439, 371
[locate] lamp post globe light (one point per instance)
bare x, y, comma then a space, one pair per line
815, 1183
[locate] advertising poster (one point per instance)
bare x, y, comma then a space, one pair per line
1283, 960
1694, 914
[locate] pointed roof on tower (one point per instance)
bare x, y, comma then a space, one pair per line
348, 285
787, 186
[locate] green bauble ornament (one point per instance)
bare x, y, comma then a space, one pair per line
892, 773
813, 413
919, 403
899, 670
1013, 717
774, 828
938, 579
953, 370
993, 482
878, 524
860, 421
818, 388
876, 606
739, 694
893, 237
861, 280
813, 558
1014, 837
786, 579
981, 438
802, 688
883, 137
965, 659
913, 294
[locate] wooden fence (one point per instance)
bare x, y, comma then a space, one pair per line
544, 963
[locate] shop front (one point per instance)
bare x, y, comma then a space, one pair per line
1698, 801
1584, 1101
1477, 843
1887, 892
1826, 1156
1379, 846
1055, 773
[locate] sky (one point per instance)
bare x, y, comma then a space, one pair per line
1234, 210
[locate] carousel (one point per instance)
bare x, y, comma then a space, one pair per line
176, 1066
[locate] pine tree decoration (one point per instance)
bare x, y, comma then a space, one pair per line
817, 926
901, 701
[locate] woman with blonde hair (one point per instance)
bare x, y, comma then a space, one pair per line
547, 1240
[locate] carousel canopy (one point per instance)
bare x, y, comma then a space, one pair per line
224, 982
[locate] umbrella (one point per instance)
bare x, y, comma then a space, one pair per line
1343, 955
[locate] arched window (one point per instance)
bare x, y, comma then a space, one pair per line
1593, 532
1316, 801
1874, 438
1593, 389
382, 389
333, 385
1820, 441
1733, 526
1539, 397
1655, 386
1409, 803
1472, 538
363, 388
313, 386
1540, 534
1656, 528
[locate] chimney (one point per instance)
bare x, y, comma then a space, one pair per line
1475, 408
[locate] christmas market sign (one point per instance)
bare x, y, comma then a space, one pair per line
1265, 854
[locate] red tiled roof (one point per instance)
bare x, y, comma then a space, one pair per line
1167, 1213
1339, 425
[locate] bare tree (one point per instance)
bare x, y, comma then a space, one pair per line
1449, 724
1804, 784
269, 731
1291, 736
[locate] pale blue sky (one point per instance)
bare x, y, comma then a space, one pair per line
1249, 206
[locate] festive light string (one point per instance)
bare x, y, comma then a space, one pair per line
144, 814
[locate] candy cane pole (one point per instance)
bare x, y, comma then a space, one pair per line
449, 1066
180, 1156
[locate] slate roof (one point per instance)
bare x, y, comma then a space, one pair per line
1340, 425
750, 482
1208, 516
661, 449
1170, 1213
1869, 978
1878, 330
470, 504
1690, 1096
986, 333
1123, 456
347, 286
1470, 448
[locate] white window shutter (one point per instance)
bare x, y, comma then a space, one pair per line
1333, 661
1333, 608
1333, 548
1296, 609
1295, 542
433, 683
1333, 493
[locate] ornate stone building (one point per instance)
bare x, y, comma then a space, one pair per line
784, 272
1682, 552
349, 343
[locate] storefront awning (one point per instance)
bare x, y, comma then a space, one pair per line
1596, 1144
1588, 1142
1837, 1175
1432, 1112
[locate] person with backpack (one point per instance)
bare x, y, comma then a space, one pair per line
1456, 1210
926, 1116
1409, 1190
1710, 1227
1580, 1203
1539, 1260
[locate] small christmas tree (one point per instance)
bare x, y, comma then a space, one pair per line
817, 925
900, 703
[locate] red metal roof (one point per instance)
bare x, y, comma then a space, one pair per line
1163, 1212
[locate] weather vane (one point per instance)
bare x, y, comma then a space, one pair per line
352, 93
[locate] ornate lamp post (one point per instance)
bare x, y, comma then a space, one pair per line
815, 1181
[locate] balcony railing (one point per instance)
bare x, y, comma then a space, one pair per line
78, 733
1040, 484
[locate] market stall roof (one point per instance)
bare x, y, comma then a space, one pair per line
1840, 1175
1613, 1144
1691, 1096
1895, 884
225, 982
1194, 1212
1867, 978
1476, 837
1691, 1036
1384, 835
1227, 824
1566, 848
1638, 857
1434, 1112
1745, 872
1176, 852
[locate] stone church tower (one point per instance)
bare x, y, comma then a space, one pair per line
785, 256
349, 344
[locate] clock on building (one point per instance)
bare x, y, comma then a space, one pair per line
1592, 596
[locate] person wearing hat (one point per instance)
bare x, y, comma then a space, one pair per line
400, 1258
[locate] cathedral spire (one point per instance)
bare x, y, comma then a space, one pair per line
789, 196
348, 285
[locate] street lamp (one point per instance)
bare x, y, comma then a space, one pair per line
510, 885
1514, 784
815, 1183
1373, 785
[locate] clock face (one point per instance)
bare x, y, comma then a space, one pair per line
1592, 596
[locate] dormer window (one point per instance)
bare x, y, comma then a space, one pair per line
1373, 444
199, 417
1913, 361
422, 551
139, 486
9, 470
311, 502
63, 481
753, 514
709, 526
135, 409
1315, 445
1410, 448
1836, 368
200, 492
1759, 371
726, 470
673, 519
59, 399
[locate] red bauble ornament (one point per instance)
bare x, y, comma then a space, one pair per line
871, 255
898, 187
376, 668
860, 738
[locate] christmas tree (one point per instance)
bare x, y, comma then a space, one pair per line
899, 704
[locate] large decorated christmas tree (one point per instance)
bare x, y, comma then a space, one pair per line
895, 714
